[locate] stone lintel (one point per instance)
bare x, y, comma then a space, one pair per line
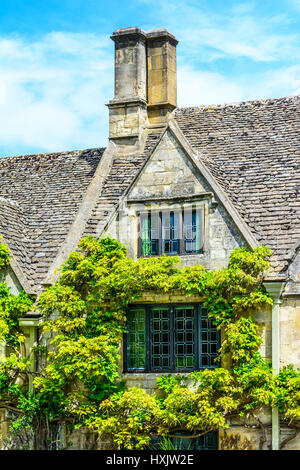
193, 198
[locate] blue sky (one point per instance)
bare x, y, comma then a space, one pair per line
56, 61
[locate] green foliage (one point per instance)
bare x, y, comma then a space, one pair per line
168, 444
14, 365
84, 316
287, 393
4, 255
241, 340
169, 382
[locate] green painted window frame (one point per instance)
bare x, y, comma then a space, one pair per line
153, 227
170, 343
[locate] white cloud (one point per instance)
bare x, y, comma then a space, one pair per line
198, 87
241, 31
53, 91
284, 81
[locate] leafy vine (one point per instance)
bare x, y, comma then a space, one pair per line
84, 316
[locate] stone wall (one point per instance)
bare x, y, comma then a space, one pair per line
290, 331
251, 438
11, 280
170, 181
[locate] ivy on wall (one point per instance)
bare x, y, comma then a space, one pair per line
84, 315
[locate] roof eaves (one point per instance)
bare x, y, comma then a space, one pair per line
25, 283
292, 253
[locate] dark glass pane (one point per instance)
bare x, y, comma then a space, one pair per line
170, 232
136, 345
184, 322
208, 441
213, 335
204, 335
180, 337
189, 337
160, 334
192, 230
209, 340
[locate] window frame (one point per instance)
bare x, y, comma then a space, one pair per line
148, 342
181, 212
195, 442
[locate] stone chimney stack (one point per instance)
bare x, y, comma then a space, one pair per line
161, 72
128, 109
145, 83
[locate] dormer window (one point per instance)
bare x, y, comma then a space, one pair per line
170, 232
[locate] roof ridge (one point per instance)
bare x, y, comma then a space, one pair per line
292, 98
65, 152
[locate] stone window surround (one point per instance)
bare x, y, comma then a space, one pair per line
180, 240
198, 341
203, 201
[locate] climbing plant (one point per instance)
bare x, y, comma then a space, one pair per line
84, 316
4, 254
14, 363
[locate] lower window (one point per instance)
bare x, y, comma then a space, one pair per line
172, 337
208, 441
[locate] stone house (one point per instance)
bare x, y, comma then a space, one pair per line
197, 182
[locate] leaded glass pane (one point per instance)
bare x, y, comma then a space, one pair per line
209, 340
170, 232
178, 338
160, 333
149, 233
192, 231
184, 327
136, 339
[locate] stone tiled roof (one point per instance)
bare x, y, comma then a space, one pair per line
123, 171
40, 196
252, 149
13, 228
